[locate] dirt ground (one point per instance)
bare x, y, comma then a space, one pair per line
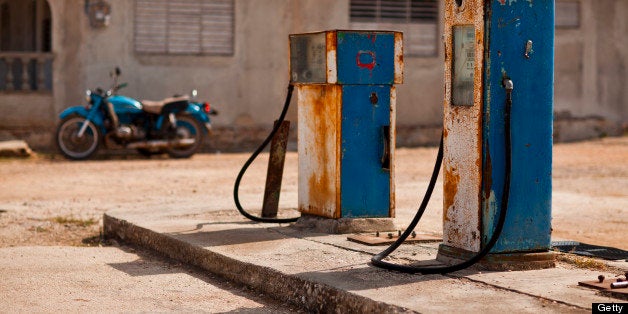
48, 200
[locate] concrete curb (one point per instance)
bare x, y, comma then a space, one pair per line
289, 288
15, 148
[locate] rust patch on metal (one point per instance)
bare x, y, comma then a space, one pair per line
319, 191
319, 181
393, 144
383, 239
606, 288
450, 188
318, 188
487, 179
399, 65
331, 47
332, 42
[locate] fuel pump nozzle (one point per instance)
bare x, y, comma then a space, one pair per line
509, 86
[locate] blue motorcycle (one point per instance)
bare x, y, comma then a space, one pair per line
176, 126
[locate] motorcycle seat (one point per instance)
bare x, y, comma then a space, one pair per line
156, 107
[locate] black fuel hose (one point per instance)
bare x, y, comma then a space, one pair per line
377, 260
246, 165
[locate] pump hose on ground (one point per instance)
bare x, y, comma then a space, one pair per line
377, 260
246, 165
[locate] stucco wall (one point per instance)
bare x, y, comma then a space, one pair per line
249, 87
591, 72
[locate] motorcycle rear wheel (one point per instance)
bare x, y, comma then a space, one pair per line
70, 144
187, 128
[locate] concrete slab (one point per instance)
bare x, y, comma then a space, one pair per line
323, 272
53, 279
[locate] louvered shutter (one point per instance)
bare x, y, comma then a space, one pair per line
567, 14
151, 18
417, 19
184, 26
218, 27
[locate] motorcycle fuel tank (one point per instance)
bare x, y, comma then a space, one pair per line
125, 105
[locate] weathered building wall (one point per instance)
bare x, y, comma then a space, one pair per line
591, 97
248, 88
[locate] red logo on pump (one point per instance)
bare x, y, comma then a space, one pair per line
365, 60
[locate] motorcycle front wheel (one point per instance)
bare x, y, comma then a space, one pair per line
70, 144
187, 129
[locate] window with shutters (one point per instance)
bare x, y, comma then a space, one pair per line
417, 19
204, 27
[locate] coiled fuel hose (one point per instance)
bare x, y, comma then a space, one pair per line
246, 165
377, 260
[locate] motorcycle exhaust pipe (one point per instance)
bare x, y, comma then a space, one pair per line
154, 144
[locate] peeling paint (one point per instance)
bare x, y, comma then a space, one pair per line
399, 65
487, 179
502, 24
510, 2
366, 60
393, 144
462, 162
332, 47
450, 187
529, 208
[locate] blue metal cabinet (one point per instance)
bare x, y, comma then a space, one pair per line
520, 46
346, 105
365, 178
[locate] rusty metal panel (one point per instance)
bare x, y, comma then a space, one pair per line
393, 145
319, 144
308, 58
399, 65
606, 287
332, 67
462, 162
274, 175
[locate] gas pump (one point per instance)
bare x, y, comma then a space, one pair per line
345, 83
497, 138
346, 118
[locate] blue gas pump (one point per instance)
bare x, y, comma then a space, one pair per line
346, 113
496, 149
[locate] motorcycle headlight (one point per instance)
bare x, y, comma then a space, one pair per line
88, 96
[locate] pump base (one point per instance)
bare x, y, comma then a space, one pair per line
344, 225
501, 261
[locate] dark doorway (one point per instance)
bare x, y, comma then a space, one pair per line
25, 46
